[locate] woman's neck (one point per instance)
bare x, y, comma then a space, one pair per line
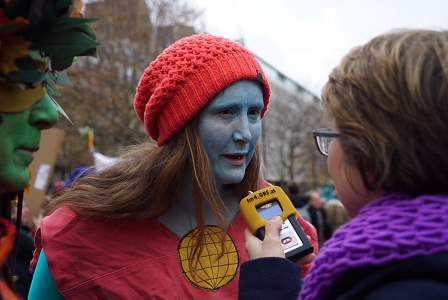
181, 217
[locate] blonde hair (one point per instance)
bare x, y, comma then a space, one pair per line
389, 100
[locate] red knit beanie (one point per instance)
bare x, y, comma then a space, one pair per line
186, 76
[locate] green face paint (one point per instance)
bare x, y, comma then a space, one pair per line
20, 138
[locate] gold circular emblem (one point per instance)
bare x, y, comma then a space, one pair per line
212, 272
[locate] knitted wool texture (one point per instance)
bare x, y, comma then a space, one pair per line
392, 228
186, 76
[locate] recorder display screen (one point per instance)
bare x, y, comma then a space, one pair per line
269, 210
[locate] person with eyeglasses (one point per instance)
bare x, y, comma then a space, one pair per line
386, 152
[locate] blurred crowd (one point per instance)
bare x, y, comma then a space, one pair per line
325, 215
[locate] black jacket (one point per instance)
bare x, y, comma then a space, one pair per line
423, 277
417, 278
22, 265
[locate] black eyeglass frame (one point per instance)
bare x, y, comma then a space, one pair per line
321, 133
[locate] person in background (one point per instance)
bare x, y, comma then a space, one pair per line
163, 222
34, 52
58, 188
318, 215
336, 215
386, 153
77, 174
23, 276
299, 202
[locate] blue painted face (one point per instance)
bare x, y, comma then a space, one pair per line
230, 127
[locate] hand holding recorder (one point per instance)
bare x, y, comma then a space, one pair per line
269, 236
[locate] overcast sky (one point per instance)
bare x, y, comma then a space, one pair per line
305, 40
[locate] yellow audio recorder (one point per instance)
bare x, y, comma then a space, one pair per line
263, 205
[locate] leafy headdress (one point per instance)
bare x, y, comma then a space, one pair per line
39, 39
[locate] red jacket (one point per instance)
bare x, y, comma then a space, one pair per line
96, 258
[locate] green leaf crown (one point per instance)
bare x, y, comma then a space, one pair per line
54, 29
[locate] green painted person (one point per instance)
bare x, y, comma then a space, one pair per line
38, 41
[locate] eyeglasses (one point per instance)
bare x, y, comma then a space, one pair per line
323, 138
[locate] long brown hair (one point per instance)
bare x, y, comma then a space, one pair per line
147, 179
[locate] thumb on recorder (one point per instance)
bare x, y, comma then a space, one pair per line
271, 246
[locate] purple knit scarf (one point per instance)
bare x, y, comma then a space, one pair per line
391, 228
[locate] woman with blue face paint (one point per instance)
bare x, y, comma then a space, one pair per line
163, 222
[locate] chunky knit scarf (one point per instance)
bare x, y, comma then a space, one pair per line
391, 228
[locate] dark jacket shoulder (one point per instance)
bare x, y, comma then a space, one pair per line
424, 277
269, 278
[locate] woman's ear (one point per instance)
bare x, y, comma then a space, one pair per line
375, 189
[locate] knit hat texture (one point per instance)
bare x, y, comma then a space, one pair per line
186, 76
